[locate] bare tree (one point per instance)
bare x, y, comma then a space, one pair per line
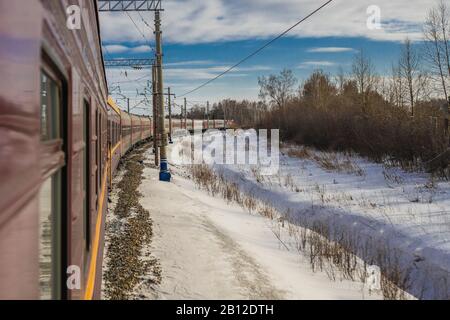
340, 79
364, 74
279, 88
436, 32
319, 90
410, 71
444, 17
398, 87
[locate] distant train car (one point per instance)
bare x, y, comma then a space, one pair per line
147, 127
136, 124
193, 123
114, 134
126, 132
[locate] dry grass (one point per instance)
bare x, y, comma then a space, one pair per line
300, 153
256, 171
289, 183
330, 250
332, 161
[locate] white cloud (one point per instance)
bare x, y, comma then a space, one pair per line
196, 73
205, 73
317, 64
254, 68
190, 63
182, 79
200, 21
115, 48
141, 49
330, 50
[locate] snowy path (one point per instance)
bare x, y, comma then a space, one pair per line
209, 249
199, 260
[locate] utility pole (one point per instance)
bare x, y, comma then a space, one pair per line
170, 114
155, 116
224, 117
185, 113
207, 114
164, 174
128, 105
447, 121
158, 92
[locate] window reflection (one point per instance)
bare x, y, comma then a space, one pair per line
50, 108
45, 243
50, 193
50, 237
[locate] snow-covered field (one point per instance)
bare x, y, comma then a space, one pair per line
406, 215
211, 249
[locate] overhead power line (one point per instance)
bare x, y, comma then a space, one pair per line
145, 22
135, 25
258, 50
107, 51
137, 28
138, 81
132, 80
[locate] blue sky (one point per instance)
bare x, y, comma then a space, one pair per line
207, 37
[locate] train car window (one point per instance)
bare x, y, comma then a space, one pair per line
86, 175
50, 193
50, 103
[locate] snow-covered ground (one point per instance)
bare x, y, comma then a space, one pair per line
211, 249
405, 214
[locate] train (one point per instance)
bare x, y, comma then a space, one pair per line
125, 130
61, 140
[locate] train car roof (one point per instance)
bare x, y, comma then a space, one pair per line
113, 106
120, 112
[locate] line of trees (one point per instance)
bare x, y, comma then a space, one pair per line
403, 116
243, 112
